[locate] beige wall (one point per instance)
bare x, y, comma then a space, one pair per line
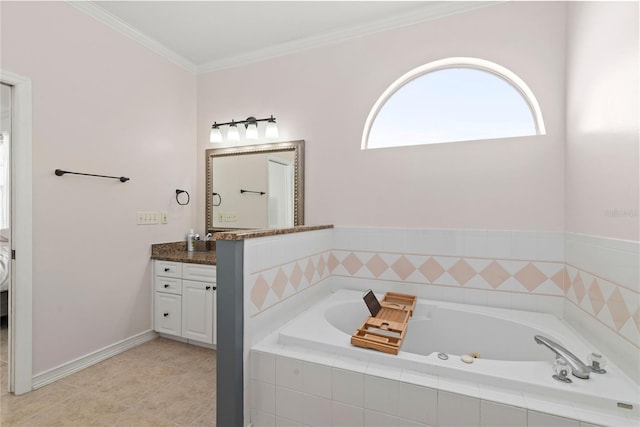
602, 119
324, 96
101, 104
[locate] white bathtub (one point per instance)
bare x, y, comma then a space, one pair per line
509, 357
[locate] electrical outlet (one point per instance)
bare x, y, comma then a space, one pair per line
164, 218
227, 217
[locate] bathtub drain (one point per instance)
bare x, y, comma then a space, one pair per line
442, 356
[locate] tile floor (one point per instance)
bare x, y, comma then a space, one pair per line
159, 383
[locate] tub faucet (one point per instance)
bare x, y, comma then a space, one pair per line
578, 368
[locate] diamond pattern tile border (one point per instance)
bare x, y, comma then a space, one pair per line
491, 274
613, 305
271, 286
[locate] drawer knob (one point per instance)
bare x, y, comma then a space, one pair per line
166, 314
208, 287
166, 286
167, 269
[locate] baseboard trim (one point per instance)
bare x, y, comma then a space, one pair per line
55, 374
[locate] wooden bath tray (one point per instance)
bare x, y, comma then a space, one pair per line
385, 331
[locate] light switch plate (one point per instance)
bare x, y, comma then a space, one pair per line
148, 218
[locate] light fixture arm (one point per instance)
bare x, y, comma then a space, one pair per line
246, 123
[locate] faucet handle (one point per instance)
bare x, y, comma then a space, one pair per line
560, 370
596, 363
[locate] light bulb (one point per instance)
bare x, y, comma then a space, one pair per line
271, 131
216, 135
233, 134
252, 131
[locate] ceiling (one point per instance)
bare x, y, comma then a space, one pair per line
205, 36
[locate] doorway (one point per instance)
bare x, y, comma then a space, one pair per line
280, 205
18, 213
6, 107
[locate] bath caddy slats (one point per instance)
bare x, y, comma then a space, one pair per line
386, 330
399, 301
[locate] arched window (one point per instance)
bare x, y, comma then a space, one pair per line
454, 99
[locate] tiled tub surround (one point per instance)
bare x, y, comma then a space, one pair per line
283, 276
517, 366
521, 270
509, 269
291, 386
603, 295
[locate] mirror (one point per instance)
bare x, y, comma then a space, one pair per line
255, 186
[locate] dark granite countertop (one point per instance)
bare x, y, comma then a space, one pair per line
251, 234
177, 252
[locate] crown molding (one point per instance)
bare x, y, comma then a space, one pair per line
434, 11
122, 27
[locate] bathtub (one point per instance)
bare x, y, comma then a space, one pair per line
509, 359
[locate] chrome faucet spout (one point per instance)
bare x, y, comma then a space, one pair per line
578, 369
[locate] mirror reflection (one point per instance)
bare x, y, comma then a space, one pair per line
255, 186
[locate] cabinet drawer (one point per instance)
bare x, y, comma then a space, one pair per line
168, 313
168, 269
168, 284
199, 272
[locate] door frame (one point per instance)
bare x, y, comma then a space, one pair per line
20, 303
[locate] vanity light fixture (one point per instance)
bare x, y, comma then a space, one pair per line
251, 126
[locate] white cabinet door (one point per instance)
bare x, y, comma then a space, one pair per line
197, 310
168, 316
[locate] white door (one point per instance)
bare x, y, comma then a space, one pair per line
21, 236
197, 311
280, 175
6, 101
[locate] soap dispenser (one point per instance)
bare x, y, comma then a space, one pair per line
191, 241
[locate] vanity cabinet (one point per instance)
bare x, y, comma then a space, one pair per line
185, 300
